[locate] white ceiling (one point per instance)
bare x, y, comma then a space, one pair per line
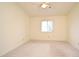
58, 8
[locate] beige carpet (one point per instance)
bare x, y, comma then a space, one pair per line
44, 49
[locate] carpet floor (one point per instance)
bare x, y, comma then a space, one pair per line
44, 49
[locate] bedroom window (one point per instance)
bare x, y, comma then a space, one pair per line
46, 26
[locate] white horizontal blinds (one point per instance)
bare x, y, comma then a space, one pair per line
46, 26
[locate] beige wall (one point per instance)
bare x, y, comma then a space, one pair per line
73, 18
14, 27
59, 33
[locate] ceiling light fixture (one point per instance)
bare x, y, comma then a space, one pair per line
45, 5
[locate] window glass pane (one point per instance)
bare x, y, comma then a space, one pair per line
50, 27
44, 26
47, 26
44, 23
